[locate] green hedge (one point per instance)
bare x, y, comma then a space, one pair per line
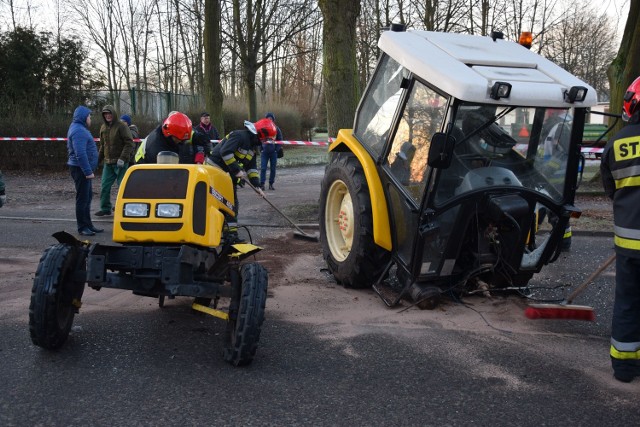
33, 155
52, 155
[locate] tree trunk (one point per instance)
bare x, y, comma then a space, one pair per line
339, 67
626, 66
212, 72
250, 85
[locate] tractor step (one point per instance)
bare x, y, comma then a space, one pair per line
211, 311
391, 295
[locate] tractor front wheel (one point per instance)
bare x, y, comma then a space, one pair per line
246, 315
55, 295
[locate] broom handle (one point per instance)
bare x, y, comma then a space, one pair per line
592, 277
277, 210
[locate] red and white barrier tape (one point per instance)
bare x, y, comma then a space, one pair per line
519, 147
591, 150
522, 148
31, 138
20, 138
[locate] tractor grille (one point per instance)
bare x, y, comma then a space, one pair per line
157, 184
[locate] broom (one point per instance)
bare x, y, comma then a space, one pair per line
299, 232
566, 310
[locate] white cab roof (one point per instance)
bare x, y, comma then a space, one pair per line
466, 67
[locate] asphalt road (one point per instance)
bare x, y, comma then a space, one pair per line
327, 355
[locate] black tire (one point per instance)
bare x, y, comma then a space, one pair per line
243, 329
51, 310
346, 224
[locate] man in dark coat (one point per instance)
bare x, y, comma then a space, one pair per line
269, 154
206, 127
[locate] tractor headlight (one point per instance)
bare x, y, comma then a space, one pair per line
500, 90
575, 94
168, 210
140, 210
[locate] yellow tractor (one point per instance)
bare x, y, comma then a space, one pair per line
168, 228
453, 152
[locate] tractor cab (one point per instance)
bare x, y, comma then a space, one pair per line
461, 168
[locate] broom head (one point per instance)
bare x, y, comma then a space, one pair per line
560, 311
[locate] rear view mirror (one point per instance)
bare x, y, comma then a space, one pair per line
441, 150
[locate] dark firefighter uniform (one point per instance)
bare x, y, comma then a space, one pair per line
620, 169
187, 151
235, 153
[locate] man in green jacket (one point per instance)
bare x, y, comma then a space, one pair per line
116, 148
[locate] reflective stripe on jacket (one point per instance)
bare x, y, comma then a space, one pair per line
620, 170
236, 152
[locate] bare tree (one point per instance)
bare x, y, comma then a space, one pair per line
439, 15
213, 49
98, 19
626, 65
260, 23
339, 67
582, 43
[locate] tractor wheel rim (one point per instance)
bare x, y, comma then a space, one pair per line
339, 220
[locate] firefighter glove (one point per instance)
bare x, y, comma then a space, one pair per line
199, 158
241, 174
240, 182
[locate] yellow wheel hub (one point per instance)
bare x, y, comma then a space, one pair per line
339, 220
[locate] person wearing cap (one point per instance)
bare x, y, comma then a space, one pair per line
270, 151
116, 149
135, 134
206, 127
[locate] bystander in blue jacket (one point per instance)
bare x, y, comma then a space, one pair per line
82, 162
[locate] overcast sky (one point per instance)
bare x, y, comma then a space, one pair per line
42, 11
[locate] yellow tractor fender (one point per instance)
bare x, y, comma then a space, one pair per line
380, 214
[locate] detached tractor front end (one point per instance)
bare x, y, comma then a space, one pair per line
169, 230
460, 172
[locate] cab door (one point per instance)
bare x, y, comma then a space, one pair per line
405, 163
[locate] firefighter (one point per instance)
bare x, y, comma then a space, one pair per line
620, 169
236, 155
176, 135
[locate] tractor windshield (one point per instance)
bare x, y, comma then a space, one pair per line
507, 146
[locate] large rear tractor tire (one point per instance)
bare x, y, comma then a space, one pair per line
56, 287
243, 329
346, 224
